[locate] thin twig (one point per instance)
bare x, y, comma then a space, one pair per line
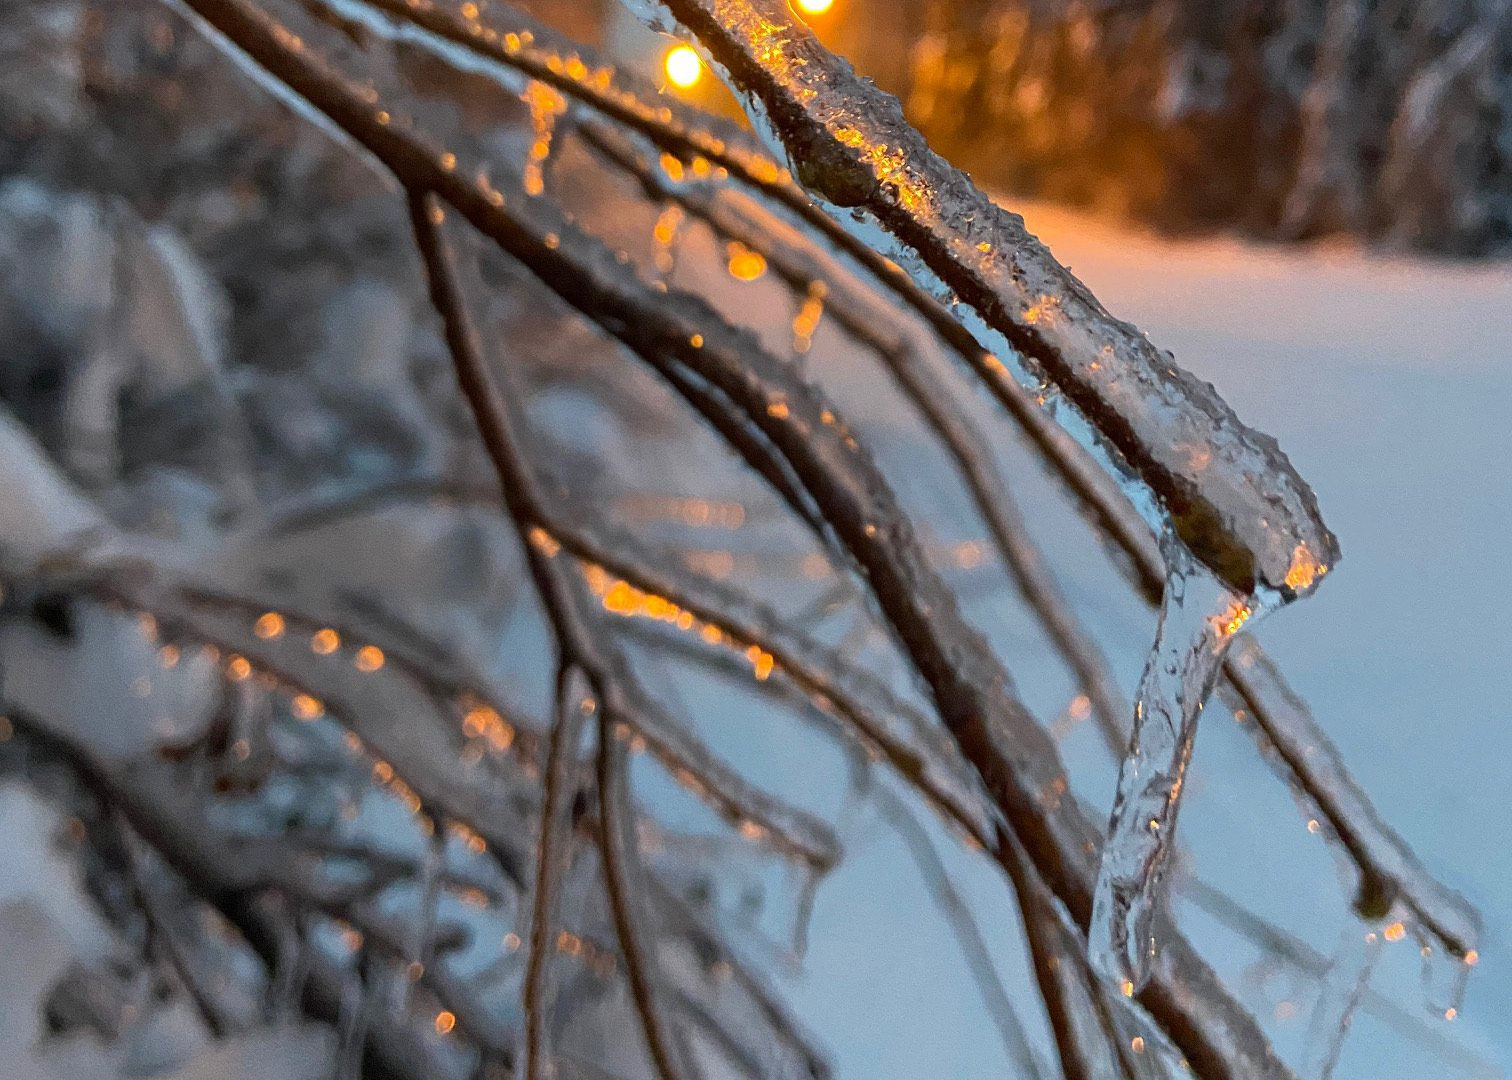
551, 851
963, 924
619, 846
161, 931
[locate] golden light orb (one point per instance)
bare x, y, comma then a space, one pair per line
815, 7
684, 68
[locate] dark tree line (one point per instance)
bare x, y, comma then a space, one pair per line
1384, 119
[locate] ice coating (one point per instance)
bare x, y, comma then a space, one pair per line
1339, 999
1445, 974
1390, 871
1198, 619
1228, 492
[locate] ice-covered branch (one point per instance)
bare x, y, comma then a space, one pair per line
1385, 864
799, 268
552, 851
1228, 492
514, 43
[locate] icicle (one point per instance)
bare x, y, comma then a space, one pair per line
1198, 618
1444, 975
1342, 991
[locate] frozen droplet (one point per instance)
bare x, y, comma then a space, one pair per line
1445, 975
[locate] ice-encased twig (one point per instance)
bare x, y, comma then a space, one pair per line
1273, 941
1390, 871
584, 660
756, 814
553, 848
957, 913
617, 694
1339, 997
1229, 493
624, 875
877, 716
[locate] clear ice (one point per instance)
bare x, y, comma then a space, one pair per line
1199, 617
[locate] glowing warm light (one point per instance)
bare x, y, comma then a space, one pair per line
815, 7
445, 1021
269, 626
369, 658
1232, 620
307, 707
745, 264
1395, 932
684, 68
325, 642
1304, 570
239, 668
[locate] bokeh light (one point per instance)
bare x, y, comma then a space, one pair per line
683, 66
